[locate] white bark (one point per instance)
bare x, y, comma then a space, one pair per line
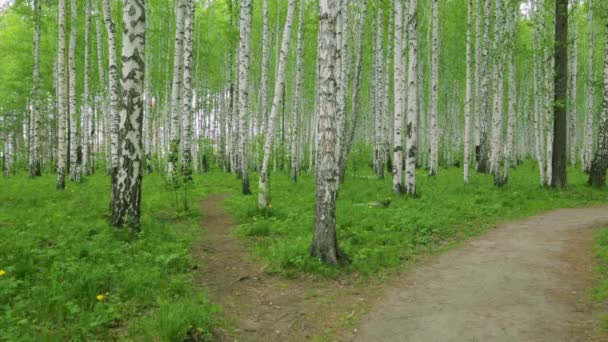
434, 164
113, 83
61, 98
176, 90
399, 89
298, 97
245, 46
589, 117
468, 95
73, 111
186, 101
35, 155
412, 108
126, 201
324, 244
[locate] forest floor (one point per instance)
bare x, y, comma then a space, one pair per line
528, 280
262, 307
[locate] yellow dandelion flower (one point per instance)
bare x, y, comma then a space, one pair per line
100, 297
2, 273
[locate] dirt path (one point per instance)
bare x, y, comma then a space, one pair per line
262, 307
524, 281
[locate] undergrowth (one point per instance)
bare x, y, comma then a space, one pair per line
68, 275
379, 230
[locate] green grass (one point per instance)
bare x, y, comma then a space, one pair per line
379, 238
600, 249
59, 253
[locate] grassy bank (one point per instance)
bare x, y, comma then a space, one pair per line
378, 237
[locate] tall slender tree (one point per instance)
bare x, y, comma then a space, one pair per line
264, 189
245, 47
560, 104
434, 164
468, 97
61, 98
126, 203
412, 107
35, 166
114, 85
75, 148
186, 101
399, 80
597, 176
325, 243
176, 90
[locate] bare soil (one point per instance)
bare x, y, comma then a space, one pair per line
263, 307
523, 281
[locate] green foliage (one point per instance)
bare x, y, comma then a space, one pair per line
59, 254
600, 292
379, 237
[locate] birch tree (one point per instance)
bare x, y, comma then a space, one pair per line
597, 176
186, 101
61, 98
245, 47
176, 90
75, 156
113, 84
324, 243
298, 96
85, 120
412, 107
399, 78
589, 117
356, 93
482, 154
264, 190
468, 96
434, 164
35, 168
126, 203
265, 65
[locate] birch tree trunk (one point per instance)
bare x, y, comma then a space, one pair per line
176, 90
264, 189
597, 176
61, 98
299, 92
186, 103
86, 112
484, 113
512, 27
245, 46
35, 155
356, 93
399, 78
126, 204
468, 95
265, 65
538, 96
75, 153
589, 117
478, 65
324, 243
573, 112
498, 81
113, 84
412, 108
434, 164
